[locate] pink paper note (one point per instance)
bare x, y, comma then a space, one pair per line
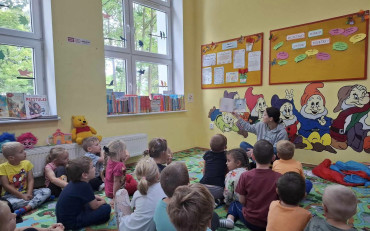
282, 55
323, 56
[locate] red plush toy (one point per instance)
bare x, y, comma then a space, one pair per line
27, 139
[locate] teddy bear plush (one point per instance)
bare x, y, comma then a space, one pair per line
81, 130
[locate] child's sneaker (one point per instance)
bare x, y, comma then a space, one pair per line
226, 223
101, 187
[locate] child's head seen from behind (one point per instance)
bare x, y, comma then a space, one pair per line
263, 152
285, 149
116, 150
191, 208
237, 158
157, 149
172, 176
291, 188
91, 144
7, 218
147, 173
340, 203
14, 152
218, 143
58, 155
79, 168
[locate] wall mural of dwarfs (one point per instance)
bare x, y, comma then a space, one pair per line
305, 116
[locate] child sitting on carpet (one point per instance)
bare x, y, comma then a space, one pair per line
115, 170
7, 221
215, 167
143, 202
92, 147
340, 204
237, 163
77, 206
191, 208
174, 175
257, 189
160, 152
286, 215
55, 170
285, 151
17, 180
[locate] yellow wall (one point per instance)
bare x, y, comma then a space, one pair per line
218, 20
80, 82
79, 69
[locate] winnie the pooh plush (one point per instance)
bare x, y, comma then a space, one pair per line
81, 130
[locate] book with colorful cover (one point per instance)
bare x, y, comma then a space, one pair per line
16, 104
36, 106
4, 112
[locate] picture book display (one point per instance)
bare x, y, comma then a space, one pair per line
36, 106
4, 112
232, 63
16, 104
328, 50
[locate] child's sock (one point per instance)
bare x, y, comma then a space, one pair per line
226, 223
21, 211
101, 187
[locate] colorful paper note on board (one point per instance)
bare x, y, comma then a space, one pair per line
314, 48
237, 63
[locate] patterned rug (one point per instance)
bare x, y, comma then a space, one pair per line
45, 215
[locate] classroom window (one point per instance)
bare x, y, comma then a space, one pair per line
137, 38
21, 54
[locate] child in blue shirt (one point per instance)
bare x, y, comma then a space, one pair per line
77, 206
92, 147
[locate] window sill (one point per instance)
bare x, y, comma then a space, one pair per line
140, 114
15, 120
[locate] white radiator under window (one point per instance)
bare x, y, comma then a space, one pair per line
136, 144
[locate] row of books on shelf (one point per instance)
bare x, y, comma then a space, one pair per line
119, 103
22, 106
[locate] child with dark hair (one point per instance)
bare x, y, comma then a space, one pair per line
160, 152
55, 170
174, 175
215, 167
191, 208
286, 215
237, 163
286, 163
340, 204
92, 147
77, 206
257, 189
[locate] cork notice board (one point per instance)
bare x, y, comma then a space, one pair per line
328, 50
232, 63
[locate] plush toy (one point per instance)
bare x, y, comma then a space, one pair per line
27, 139
81, 130
6, 137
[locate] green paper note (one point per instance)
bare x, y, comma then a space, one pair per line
277, 46
282, 62
340, 46
299, 58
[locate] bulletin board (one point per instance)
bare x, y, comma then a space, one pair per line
328, 50
232, 63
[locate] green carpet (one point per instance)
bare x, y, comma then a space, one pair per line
45, 215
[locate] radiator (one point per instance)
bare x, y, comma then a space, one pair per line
136, 144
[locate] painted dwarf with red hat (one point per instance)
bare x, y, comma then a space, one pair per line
314, 122
256, 105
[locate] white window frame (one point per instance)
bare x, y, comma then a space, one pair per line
132, 55
41, 41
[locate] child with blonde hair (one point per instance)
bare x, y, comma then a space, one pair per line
8, 223
237, 163
191, 208
17, 180
285, 151
55, 170
92, 147
143, 202
160, 152
340, 204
